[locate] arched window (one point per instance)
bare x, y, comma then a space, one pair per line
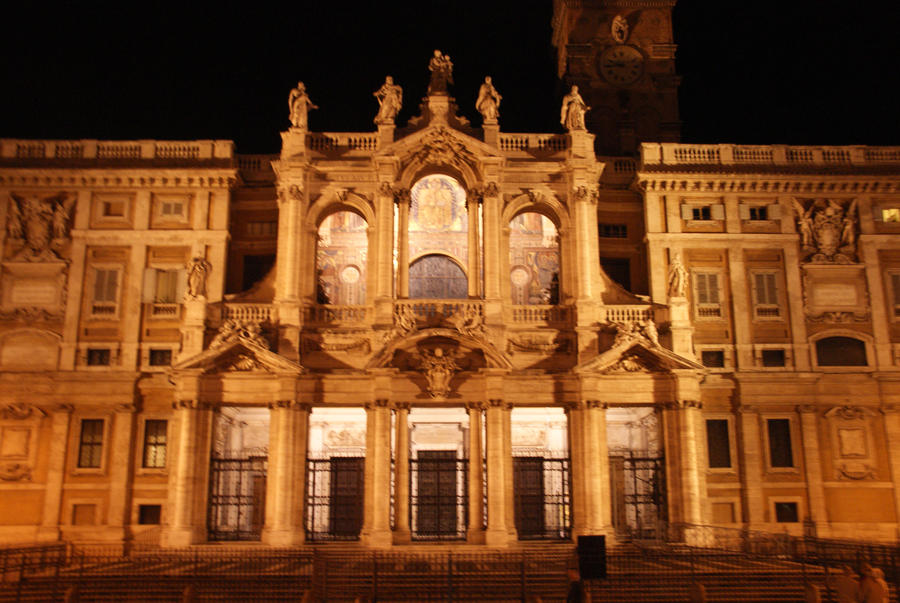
341, 259
533, 259
438, 239
841, 351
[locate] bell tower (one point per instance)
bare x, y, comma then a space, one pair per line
621, 55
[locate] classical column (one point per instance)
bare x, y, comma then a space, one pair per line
286, 479
498, 520
56, 469
751, 456
694, 491
599, 512
575, 415
401, 474
403, 201
818, 512
510, 476
376, 531
891, 414
881, 317
491, 210
474, 261
187, 482
476, 474
121, 472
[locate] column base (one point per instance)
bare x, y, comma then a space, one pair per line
498, 538
48, 534
402, 536
377, 539
275, 537
475, 536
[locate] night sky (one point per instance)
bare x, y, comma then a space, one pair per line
792, 72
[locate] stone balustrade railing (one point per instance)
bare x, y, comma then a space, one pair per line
653, 154
188, 150
246, 312
354, 141
255, 163
533, 142
542, 314
626, 314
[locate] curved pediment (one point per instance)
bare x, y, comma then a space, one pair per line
637, 356
473, 353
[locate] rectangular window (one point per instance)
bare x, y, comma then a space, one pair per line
890, 214
717, 443
786, 512
106, 285
166, 287
781, 453
90, 443
713, 358
149, 514
759, 212
895, 292
98, 357
155, 443
171, 209
614, 231
773, 358
765, 295
702, 212
160, 357
262, 229
114, 209
706, 291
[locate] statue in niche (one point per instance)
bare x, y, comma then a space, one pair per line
573, 110
488, 103
198, 273
299, 104
390, 101
441, 69
619, 29
827, 231
438, 368
39, 226
678, 277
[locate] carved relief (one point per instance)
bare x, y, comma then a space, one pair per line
440, 147
828, 231
20, 411
630, 363
469, 321
538, 343
234, 329
631, 331
438, 368
852, 444
38, 228
13, 472
327, 341
344, 438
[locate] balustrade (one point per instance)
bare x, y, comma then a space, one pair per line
249, 312
116, 149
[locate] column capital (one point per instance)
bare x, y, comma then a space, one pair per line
499, 403
682, 405
401, 406
291, 404
64, 408
127, 407
806, 408
378, 403
189, 404
596, 404
475, 406
890, 409
746, 408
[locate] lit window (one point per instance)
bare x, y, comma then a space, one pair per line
781, 452
890, 214
155, 443
90, 444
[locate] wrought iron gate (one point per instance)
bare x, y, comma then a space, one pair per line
542, 502
334, 498
641, 493
237, 498
438, 495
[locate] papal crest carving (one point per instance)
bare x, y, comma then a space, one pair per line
440, 147
37, 228
828, 231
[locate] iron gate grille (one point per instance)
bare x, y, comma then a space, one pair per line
334, 498
438, 505
645, 498
542, 499
237, 498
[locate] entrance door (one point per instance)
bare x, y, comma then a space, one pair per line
639, 499
237, 494
346, 497
438, 508
528, 483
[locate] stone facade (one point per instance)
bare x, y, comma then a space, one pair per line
446, 332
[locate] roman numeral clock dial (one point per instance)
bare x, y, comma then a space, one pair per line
621, 65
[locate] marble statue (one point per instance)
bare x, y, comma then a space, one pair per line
390, 101
438, 369
678, 277
299, 104
441, 69
198, 271
619, 29
573, 110
488, 103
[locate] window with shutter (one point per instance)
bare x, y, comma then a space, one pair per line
166, 286
706, 291
106, 290
765, 293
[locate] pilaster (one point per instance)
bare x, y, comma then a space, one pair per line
56, 468
121, 470
597, 470
812, 462
892, 437
497, 533
475, 486
187, 482
741, 309
376, 531
402, 534
286, 479
751, 456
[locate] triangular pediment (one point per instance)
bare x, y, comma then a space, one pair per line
636, 357
239, 356
437, 144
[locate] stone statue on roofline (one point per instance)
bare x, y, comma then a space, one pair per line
390, 101
573, 110
300, 104
441, 69
488, 103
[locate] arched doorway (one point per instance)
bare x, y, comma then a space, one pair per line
437, 276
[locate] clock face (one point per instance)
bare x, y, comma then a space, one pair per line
621, 65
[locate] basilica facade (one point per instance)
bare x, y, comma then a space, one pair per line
442, 332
